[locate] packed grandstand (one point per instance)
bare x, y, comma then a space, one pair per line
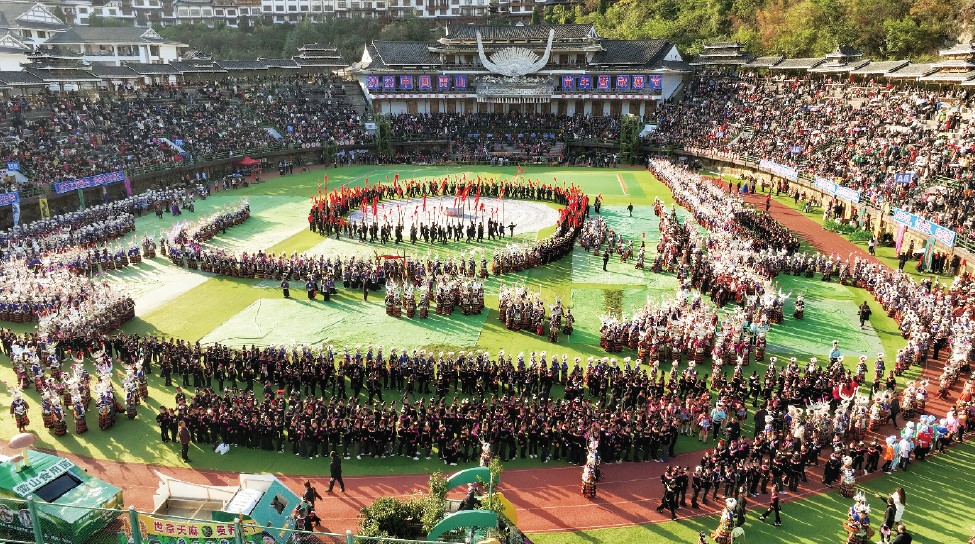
863, 131
901, 144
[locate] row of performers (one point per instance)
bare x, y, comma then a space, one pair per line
206, 228
92, 262
329, 210
466, 293
70, 389
522, 309
53, 411
517, 259
352, 270
106, 311
430, 231
17, 307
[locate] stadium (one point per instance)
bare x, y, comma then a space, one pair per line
511, 283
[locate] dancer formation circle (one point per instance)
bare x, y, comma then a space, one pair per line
532, 404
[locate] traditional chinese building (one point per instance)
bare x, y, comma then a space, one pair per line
563, 69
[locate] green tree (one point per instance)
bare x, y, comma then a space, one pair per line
409, 29
98, 20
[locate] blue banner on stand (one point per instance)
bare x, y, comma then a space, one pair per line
918, 224
7, 199
62, 187
904, 178
831, 187
780, 170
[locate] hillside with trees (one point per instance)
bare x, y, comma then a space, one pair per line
883, 29
259, 39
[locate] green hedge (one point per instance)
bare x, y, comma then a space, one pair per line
410, 518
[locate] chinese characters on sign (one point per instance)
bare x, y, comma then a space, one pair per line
90, 181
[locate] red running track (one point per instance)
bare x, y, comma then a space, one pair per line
547, 498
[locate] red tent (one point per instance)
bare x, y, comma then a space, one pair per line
247, 161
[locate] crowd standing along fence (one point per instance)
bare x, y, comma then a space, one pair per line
35, 521
964, 243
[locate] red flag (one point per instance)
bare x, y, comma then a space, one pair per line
375, 204
520, 169
502, 193
395, 181
424, 202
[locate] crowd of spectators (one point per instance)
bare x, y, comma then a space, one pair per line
478, 137
62, 136
862, 133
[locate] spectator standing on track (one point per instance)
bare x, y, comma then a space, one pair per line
335, 472
311, 494
184, 437
773, 507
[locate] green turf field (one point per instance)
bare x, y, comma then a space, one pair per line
174, 302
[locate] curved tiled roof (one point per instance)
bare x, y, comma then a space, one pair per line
912, 71
799, 64
404, 53
638, 52
152, 69
232, 65
525, 32
19, 78
113, 72
765, 62
880, 68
